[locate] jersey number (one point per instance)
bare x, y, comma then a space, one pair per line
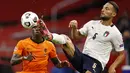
94, 37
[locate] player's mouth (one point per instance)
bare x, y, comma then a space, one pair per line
102, 13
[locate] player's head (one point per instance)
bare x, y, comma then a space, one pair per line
109, 10
36, 31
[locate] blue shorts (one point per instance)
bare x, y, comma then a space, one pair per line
82, 62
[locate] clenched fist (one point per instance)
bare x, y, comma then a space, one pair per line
73, 24
64, 63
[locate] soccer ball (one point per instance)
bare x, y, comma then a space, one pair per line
29, 19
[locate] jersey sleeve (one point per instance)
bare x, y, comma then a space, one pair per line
52, 53
117, 42
84, 29
18, 48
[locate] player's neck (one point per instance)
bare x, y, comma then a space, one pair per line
37, 39
107, 22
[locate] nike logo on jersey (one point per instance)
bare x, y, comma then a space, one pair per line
92, 27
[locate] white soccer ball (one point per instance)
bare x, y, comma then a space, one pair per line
29, 19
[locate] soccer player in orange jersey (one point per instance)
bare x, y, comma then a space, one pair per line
34, 53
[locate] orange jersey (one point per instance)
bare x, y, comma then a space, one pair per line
41, 52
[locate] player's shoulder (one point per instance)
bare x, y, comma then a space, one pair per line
48, 42
116, 31
24, 40
93, 22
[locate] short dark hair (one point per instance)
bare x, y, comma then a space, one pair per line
116, 7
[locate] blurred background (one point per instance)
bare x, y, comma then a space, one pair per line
56, 14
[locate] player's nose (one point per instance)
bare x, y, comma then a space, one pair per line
102, 10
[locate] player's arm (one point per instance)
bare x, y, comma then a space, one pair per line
17, 59
17, 54
55, 59
79, 33
117, 62
117, 42
58, 63
75, 34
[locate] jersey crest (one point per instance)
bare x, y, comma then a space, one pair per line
45, 51
106, 34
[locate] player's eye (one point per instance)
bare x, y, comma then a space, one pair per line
107, 8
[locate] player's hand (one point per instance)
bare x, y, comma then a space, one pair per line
73, 24
64, 63
29, 57
111, 70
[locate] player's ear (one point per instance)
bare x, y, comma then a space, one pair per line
114, 14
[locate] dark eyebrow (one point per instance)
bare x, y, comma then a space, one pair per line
107, 7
